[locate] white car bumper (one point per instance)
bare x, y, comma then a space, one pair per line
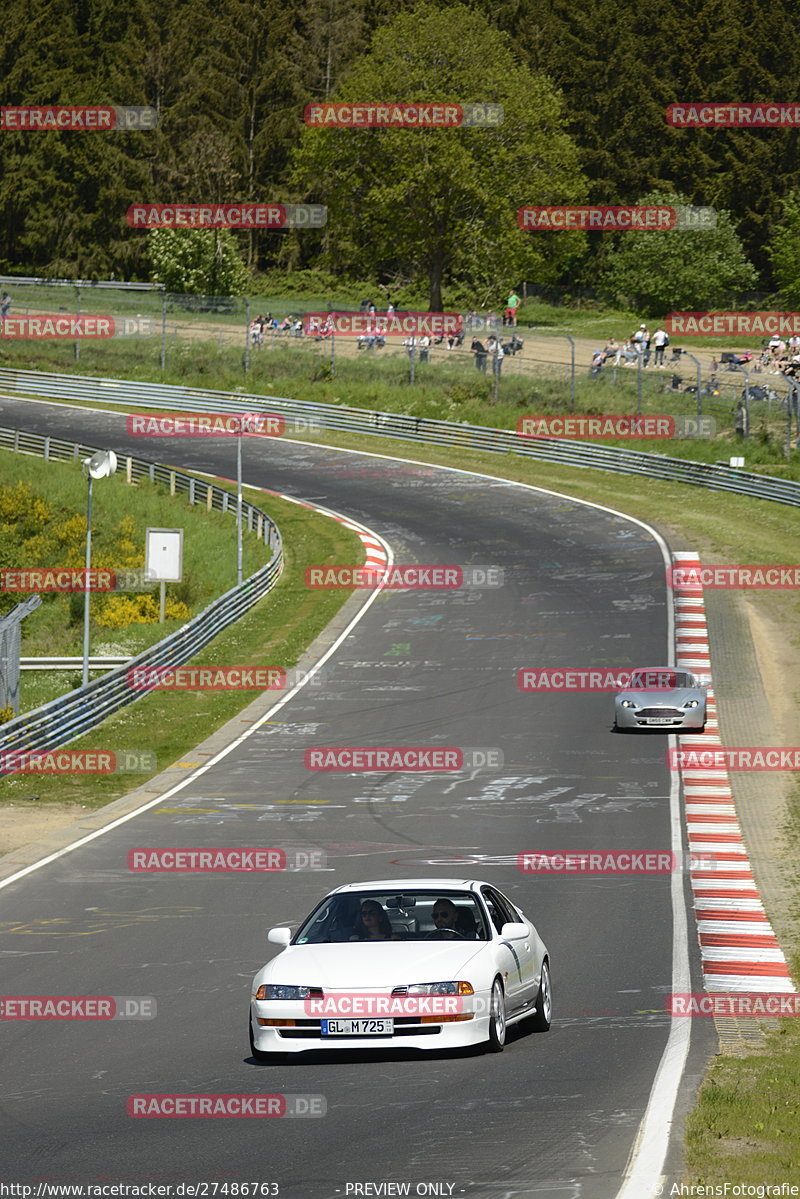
409, 1032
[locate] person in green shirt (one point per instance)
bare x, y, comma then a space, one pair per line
512, 304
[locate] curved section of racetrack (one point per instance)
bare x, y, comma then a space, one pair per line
555, 1115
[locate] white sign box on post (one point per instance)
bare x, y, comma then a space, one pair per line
163, 561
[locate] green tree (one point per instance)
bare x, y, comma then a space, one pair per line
784, 252
63, 195
197, 262
657, 272
441, 203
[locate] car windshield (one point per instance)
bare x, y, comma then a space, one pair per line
392, 916
658, 678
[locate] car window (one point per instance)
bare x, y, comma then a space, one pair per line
406, 916
515, 917
499, 908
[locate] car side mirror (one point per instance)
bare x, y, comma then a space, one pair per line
280, 936
514, 932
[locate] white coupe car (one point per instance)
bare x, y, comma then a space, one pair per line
410, 963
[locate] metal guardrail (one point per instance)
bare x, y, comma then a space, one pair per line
309, 416
71, 663
62, 720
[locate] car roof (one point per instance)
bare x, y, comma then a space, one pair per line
407, 884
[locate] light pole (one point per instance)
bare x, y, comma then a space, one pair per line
99, 466
239, 505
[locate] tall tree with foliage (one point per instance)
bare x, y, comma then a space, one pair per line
63, 195
784, 252
676, 269
197, 262
443, 202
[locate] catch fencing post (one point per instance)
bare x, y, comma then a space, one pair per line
746, 374
246, 335
163, 330
699, 382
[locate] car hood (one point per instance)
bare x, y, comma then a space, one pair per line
385, 964
661, 697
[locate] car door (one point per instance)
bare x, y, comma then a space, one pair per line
527, 952
514, 958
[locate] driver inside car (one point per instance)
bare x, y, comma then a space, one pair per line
447, 918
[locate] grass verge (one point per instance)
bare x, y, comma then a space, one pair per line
274, 633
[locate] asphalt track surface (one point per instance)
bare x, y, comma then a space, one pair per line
556, 1114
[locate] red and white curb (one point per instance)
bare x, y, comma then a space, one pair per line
374, 551
738, 946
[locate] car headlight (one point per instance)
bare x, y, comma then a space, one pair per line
692, 703
280, 991
446, 988
627, 703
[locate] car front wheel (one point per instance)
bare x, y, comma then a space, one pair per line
497, 1018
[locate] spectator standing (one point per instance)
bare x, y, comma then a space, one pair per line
496, 352
510, 314
424, 347
480, 352
5, 304
411, 344
660, 343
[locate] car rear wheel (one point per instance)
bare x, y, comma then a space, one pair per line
497, 1018
540, 1021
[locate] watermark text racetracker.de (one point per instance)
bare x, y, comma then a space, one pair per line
403, 577
69, 327
740, 757
239, 860
56, 579
222, 678
78, 1007
734, 1003
616, 861
636, 428
71, 761
759, 577
206, 424
688, 114
398, 115
227, 216
382, 324
596, 679
389, 758
728, 324
82, 118
222, 1107
615, 218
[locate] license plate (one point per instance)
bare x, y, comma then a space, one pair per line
357, 1028
660, 719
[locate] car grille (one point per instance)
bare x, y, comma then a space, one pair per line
674, 713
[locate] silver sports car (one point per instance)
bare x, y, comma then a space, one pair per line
661, 697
